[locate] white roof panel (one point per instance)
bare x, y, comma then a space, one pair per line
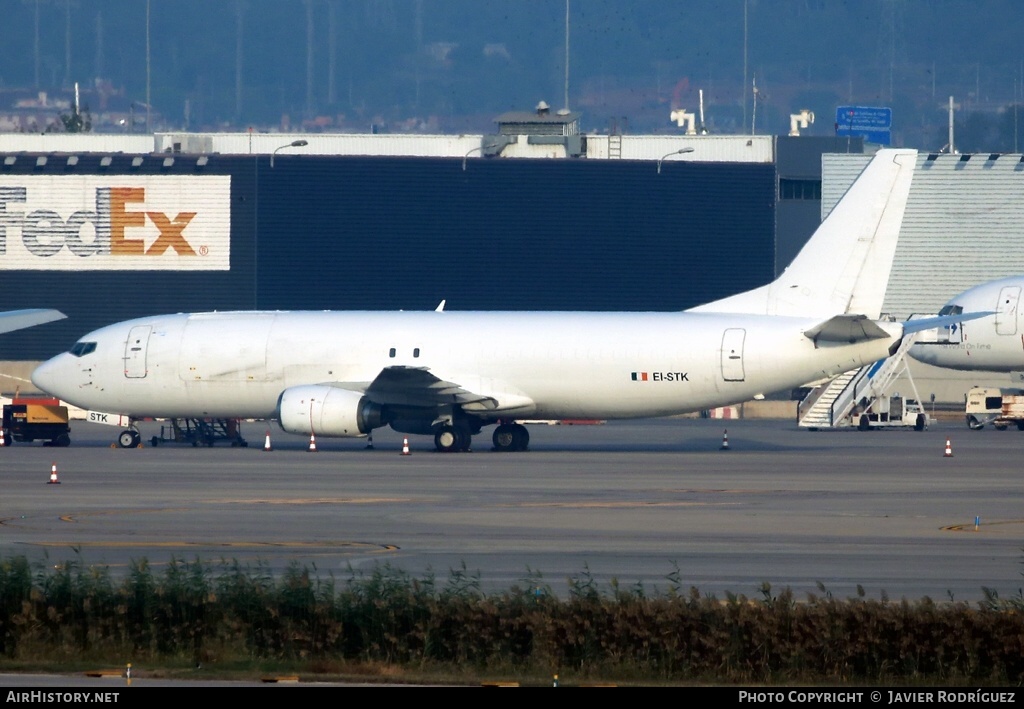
75, 143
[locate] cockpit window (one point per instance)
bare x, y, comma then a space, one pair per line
83, 348
952, 310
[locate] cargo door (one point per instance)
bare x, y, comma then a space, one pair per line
732, 354
1006, 310
135, 352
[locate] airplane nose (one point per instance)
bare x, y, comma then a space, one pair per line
46, 377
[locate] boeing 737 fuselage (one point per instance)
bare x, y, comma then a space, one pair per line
445, 373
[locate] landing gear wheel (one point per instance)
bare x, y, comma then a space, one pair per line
129, 439
510, 437
503, 438
463, 438
522, 437
452, 439
446, 440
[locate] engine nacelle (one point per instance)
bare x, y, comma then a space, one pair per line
327, 411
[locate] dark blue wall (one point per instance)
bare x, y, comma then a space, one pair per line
388, 233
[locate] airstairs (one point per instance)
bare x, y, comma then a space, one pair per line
839, 402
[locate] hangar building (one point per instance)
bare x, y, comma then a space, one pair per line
104, 230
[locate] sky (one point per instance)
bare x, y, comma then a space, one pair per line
453, 65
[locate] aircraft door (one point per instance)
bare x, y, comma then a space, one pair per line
135, 352
732, 354
1006, 310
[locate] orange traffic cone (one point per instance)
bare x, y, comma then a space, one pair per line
53, 475
725, 440
949, 450
266, 443
405, 446
312, 443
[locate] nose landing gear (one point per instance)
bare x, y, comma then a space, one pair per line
129, 438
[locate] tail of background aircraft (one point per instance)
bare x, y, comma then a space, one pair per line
844, 266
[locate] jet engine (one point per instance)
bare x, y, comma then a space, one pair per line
327, 410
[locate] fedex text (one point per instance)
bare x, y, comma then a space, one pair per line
88, 222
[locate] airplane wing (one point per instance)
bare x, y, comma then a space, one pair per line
18, 319
418, 386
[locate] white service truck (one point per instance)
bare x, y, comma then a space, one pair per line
891, 412
992, 405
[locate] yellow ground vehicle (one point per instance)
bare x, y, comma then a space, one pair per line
27, 420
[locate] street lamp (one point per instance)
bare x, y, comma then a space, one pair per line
293, 144
481, 148
681, 151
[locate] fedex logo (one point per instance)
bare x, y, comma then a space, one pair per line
45, 233
120, 223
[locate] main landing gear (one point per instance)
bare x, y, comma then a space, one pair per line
457, 437
510, 437
452, 438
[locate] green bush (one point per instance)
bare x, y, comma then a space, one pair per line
196, 613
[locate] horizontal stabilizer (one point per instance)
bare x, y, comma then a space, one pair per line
847, 329
921, 324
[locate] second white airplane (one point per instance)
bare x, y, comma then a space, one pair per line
449, 374
994, 343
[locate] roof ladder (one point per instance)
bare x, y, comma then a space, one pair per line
615, 146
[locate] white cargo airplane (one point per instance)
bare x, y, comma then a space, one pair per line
994, 343
17, 319
451, 373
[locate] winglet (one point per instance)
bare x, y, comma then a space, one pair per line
440, 306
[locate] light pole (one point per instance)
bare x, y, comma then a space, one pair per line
481, 148
681, 151
293, 144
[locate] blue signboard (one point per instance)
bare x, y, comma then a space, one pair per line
872, 122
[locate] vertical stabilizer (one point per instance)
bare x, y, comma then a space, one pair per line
844, 266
